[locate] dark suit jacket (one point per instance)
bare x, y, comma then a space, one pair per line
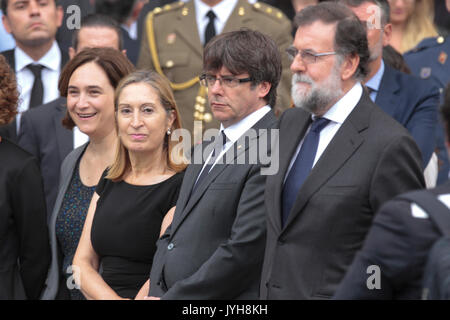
215, 245
9, 130
399, 244
370, 160
414, 103
24, 244
42, 134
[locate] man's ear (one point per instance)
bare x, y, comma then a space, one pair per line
387, 34
264, 88
72, 53
59, 15
349, 66
5, 21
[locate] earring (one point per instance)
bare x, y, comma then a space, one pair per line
169, 132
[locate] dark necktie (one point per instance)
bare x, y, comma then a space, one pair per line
370, 90
218, 147
210, 30
37, 92
301, 167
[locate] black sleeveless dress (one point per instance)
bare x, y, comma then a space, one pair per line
125, 229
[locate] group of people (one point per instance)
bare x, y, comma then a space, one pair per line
104, 204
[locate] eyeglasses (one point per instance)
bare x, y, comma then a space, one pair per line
407, 1
307, 56
208, 80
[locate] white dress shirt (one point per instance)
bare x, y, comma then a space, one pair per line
235, 131
79, 138
25, 78
337, 114
131, 30
375, 81
222, 11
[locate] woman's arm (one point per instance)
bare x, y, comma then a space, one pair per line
143, 291
86, 263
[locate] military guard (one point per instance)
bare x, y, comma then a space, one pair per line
172, 46
430, 59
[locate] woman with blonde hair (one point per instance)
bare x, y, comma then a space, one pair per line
138, 192
412, 21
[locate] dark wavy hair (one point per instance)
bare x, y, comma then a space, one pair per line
246, 51
9, 96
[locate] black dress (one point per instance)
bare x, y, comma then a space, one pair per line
125, 229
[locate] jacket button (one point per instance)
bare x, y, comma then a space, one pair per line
170, 246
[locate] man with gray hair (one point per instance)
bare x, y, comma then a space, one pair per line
413, 102
341, 157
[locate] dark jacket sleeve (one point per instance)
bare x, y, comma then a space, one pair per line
30, 216
423, 122
239, 258
397, 244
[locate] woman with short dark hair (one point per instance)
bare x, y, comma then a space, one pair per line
88, 81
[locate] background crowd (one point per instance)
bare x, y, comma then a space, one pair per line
97, 202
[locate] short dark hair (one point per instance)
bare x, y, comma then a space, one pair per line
395, 59
445, 110
382, 4
246, 51
118, 10
112, 61
97, 20
350, 36
4, 6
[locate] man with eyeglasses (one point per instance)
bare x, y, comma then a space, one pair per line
215, 245
411, 101
341, 157
173, 42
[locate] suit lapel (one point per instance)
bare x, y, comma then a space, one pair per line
191, 199
186, 27
10, 58
387, 92
64, 137
343, 145
64, 58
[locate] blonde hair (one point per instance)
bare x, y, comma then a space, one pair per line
419, 25
175, 162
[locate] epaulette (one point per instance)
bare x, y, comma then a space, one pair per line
428, 43
154, 51
270, 11
168, 7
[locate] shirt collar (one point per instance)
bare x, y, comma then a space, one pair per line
374, 82
51, 60
235, 131
222, 10
341, 109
